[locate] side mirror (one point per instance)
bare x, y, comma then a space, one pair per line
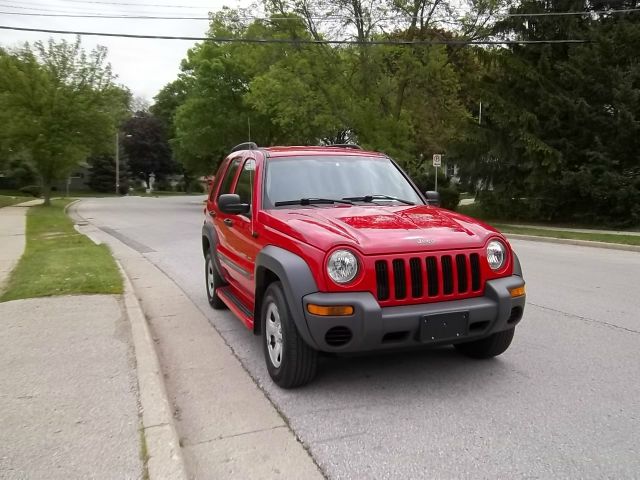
230, 203
433, 198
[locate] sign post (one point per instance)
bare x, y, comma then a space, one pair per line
437, 161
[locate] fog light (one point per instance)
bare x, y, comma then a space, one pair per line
331, 311
517, 292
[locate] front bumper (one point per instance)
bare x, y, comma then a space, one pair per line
372, 327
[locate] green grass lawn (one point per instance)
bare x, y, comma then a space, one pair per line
7, 200
593, 237
60, 261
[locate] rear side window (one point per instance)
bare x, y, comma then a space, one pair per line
229, 176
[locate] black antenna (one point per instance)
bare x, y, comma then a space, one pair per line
346, 145
245, 146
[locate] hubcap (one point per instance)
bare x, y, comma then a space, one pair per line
211, 288
273, 335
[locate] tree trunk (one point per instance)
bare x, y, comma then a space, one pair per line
46, 193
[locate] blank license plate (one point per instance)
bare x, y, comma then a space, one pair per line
444, 326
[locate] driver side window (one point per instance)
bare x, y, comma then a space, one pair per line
244, 186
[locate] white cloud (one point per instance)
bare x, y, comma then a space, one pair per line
143, 65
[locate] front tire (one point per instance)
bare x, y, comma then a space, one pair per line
489, 347
290, 361
213, 280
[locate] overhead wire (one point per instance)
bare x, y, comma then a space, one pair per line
294, 41
153, 16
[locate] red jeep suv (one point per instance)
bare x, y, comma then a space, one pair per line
334, 249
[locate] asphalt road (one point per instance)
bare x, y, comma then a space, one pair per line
562, 402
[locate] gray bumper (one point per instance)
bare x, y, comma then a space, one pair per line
376, 328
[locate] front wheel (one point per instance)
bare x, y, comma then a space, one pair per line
489, 347
290, 361
213, 280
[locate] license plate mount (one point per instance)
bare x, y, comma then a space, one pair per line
444, 326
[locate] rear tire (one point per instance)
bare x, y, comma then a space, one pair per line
290, 361
489, 347
213, 280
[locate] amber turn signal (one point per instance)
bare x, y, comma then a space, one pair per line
332, 311
517, 292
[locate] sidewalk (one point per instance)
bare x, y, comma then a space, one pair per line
68, 389
12, 239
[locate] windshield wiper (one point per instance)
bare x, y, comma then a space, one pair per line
371, 198
312, 201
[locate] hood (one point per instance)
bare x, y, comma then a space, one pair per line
378, 230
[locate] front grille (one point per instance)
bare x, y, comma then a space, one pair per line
428, 277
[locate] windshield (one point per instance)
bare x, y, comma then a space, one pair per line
335, 177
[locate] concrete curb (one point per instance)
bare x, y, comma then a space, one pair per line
569, 241
165, 460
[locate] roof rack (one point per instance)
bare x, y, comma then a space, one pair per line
245, 146
346, 145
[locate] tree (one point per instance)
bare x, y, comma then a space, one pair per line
561, 123
146, 148
58, 104
102, 174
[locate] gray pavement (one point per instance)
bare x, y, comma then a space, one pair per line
227, 427
68, 390
12, 238
561, 403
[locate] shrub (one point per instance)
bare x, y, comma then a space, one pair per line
449, 197
33, 190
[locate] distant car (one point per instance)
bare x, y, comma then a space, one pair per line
334, 249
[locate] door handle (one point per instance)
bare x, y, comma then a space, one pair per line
212, 214
228, 222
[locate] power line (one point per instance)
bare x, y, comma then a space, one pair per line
130, 17
133, 4
294, 41
68, 14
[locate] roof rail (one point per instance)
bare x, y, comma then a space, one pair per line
245, 146
346, 145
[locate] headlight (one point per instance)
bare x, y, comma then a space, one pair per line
342, 266
496, 254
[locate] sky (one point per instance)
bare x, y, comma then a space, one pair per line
142, 65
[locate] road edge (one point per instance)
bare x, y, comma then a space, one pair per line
570, 241
162, 444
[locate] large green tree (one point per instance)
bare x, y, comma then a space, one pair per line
58, 104
561, 124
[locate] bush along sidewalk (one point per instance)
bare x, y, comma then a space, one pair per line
60, 261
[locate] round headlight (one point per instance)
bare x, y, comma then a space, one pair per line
342, 266
496, 254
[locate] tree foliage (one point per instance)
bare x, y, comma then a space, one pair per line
145, 146
560, 129
58, 104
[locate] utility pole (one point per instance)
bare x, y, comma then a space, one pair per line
117, 162
480, 115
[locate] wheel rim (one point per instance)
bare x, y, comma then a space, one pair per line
273, 331
211, 287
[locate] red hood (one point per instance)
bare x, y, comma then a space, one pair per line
378, 230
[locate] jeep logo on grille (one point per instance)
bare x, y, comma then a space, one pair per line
425, 241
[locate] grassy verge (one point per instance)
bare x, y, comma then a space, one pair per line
7, 200
60, 261
593, 237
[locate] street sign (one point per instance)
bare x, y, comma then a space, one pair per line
437, 160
